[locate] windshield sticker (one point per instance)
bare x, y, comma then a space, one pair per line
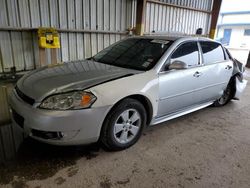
160, 41
150, 60
146, 64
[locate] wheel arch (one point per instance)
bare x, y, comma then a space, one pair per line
143, 100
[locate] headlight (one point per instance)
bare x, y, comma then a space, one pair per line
71, 100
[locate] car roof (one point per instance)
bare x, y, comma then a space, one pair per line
174, 38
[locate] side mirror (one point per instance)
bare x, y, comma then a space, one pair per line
178, 65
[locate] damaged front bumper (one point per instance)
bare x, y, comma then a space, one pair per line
240, 82
240, 85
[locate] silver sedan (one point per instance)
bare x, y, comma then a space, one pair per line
136, 82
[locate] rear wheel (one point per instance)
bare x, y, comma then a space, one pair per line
227, 95
123, 125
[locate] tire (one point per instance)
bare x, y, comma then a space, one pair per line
228, 94
124, 124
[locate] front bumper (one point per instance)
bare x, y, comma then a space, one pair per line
74, 126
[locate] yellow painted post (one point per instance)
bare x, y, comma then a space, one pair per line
214, 19
212, 33
140, 17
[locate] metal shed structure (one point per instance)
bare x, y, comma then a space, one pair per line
85, 26
88, 26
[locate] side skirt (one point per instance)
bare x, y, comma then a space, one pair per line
179, 113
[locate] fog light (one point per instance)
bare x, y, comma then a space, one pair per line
47, 134
53, 135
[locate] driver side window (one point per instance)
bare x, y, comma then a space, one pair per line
187, 53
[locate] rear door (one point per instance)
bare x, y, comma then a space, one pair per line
214, 74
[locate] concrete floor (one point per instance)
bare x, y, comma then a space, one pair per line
208, 148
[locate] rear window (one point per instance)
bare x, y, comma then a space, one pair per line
212, 52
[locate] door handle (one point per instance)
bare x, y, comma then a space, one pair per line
197, 74
228, 67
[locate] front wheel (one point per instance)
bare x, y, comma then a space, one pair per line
227, 95
123, 125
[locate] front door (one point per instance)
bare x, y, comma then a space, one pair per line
176, 86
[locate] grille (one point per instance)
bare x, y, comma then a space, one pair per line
24, 97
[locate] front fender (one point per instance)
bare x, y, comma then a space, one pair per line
145, 84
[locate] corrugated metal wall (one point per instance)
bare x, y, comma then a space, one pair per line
74, 17
83, 24
185, 18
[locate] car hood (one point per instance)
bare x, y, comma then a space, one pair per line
69, 76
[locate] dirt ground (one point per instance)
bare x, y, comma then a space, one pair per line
208, 148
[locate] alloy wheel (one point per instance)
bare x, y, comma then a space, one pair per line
127, 126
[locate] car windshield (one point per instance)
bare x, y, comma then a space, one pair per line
134, 53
